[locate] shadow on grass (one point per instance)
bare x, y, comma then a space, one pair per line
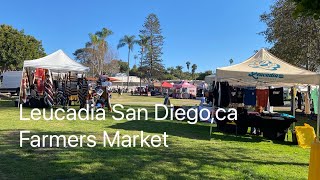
240, 138
99, 162
173, 128
245, 138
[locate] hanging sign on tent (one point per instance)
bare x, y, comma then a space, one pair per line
256, 75
265, 64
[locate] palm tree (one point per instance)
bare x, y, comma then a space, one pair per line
179, 68
135, 57
193, 69
170, 70
103, 45
231, 61
93, 46
188, 65
143, 43
129, 41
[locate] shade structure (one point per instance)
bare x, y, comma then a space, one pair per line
57, 62
113, 79
156, 84
184, 84
263, 68
266, 69
165, 84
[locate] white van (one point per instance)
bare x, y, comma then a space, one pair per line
10, 82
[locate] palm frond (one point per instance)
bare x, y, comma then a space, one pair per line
128, 40
121, 44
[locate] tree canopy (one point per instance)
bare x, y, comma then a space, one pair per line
295, 40
152, 60
100, 58
96, 52
307, 8
15, 47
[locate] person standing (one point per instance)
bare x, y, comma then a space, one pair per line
119, 91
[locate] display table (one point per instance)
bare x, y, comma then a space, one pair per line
273, 126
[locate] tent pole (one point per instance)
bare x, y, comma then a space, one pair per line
213, 100
318, 115
219, 99
212, 116
293, 105
19, 100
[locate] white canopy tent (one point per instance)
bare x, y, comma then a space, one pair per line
264, 69
56, 62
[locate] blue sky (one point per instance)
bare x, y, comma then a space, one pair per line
205, 32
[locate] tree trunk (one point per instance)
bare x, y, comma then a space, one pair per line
128, 69
142, 51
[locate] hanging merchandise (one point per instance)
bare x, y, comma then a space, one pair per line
39, 78
276, 97
250, 96
83, 92
233, 93
221, 91
307, 104
48, 90
262, 97
299, 96
40, 86
314, 97
225, 94
39, 74
236, 95
215, 92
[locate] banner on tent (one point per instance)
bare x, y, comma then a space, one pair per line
265, 64
256, 75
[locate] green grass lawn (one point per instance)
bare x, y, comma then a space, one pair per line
191, 154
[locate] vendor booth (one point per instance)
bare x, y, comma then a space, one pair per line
56, 62
166, 88
52, 80
184, 90
259, 81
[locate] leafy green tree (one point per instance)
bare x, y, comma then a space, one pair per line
307, 8
204, 74
130, 42
153, 60
83, 56
102, 47
296, 40
169, 77
92, 47
188, 65
15, 47
179, 69
135, 57
170, 70
95, 52
143, 43
134, 71
111, 68
124, 67
193, 70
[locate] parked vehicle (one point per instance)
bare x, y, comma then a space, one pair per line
10, 82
